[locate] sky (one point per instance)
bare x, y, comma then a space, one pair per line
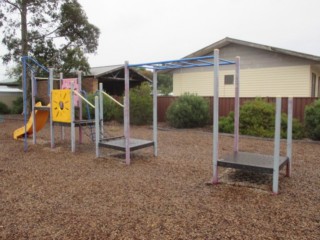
155, 30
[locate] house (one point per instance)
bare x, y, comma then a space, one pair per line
112, 78
9, 93
265, 71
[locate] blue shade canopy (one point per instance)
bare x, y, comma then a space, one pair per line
203, 61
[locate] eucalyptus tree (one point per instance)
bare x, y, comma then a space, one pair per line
56, 32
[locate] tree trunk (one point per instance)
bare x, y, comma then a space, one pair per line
24, 50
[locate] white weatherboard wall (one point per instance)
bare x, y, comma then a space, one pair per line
258, 82
8, 95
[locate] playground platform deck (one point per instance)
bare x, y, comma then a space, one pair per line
77, 123
251, 162
119, 143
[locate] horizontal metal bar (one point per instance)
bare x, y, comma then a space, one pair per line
43, 78
202, 61
171, 61
36, 62
110, 97
84, 99
174, 64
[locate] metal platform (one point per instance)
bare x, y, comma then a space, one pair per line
42, 108
119, 144
251, 162
77, 123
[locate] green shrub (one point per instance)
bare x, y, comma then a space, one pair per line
4, 108
141, 104
312, 120
226, 124
188, 111
257, 118
17, 107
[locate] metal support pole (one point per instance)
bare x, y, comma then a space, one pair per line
73, 131
50, 96
276, 156
33, 102
97, 123
127, 112
80, 106
236, 107
62, 127
155, 113
215, 178
101, 110
289, 136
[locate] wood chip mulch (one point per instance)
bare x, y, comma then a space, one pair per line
55, 194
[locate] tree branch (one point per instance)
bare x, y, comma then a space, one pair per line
13, 4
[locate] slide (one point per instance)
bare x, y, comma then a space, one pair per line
41, 117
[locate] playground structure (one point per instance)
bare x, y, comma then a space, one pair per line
62, 107
63, 102
244, 160
237, 160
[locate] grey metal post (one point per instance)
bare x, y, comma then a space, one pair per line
289, 135
33, 102
50, 96
276, 155
62, 127
73, 132
101, 110
97, 123
155, 113
236, 107
80, 106
216, 117
127, 112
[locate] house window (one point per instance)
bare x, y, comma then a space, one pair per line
318, 86
313, 85
228, 79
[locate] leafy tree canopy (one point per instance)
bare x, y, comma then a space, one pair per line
164, 80
55, 32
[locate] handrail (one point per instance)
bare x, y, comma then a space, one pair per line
120, 104
84, 99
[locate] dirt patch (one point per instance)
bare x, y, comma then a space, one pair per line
54, 194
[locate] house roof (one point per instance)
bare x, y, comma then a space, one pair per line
98, 71
226, 41
9, 89
104, 70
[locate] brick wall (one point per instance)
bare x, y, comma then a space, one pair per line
90, 84
42, 90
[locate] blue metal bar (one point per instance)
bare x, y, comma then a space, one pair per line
227, 61
36, 63
171, 61
174, 64
204, 61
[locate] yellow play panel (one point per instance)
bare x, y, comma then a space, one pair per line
61, 105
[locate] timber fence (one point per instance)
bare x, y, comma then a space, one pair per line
226, 105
